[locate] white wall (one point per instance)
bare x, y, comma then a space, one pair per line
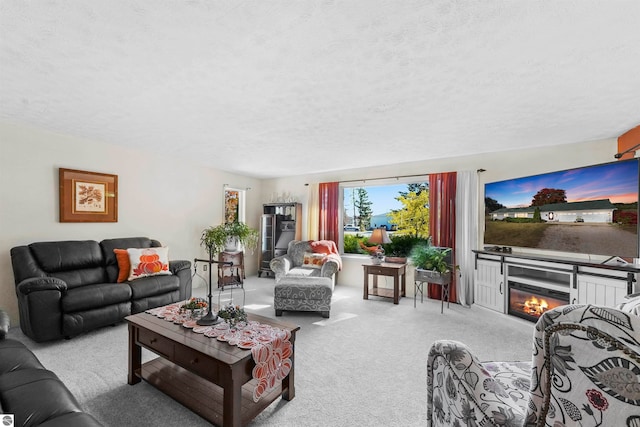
498, 166
160, 197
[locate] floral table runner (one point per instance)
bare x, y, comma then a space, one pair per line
270, 347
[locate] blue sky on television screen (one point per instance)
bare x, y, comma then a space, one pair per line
616, 181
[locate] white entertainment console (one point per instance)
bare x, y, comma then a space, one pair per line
576, 281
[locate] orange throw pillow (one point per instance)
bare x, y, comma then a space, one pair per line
124, 265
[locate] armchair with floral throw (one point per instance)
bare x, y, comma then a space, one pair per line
585, 371
308, 258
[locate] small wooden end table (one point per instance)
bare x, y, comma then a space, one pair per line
397, 271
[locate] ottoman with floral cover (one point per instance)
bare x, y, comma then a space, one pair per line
585, 371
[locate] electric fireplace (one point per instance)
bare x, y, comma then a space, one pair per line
529, 302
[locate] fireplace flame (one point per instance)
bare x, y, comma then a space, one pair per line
535, 306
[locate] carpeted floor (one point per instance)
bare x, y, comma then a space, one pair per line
365, 366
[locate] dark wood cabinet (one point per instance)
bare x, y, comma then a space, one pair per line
280, 223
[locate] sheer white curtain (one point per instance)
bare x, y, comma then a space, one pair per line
313, 212
466, 233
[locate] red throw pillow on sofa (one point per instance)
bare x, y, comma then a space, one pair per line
124, 265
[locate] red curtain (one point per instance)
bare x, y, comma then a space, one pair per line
442, 222
329, 211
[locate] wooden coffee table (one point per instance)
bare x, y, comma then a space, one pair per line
212, 378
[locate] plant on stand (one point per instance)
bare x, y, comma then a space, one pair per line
228, 236
432, 263
218, 239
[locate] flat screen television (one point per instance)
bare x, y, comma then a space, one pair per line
590, 210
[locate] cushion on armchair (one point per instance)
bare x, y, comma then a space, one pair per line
312, 260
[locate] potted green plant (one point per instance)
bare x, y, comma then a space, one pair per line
228, 236
432, 263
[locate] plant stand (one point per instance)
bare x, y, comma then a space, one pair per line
210, 318
428, 276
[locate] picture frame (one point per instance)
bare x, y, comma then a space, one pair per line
232, 205
88, 196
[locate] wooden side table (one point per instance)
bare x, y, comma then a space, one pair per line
397, 271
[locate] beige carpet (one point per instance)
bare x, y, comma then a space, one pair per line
365, 366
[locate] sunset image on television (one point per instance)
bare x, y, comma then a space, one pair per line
590, 210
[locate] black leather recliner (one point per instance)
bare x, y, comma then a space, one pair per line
34, 395
70, 287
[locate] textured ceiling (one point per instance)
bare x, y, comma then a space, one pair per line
276, 88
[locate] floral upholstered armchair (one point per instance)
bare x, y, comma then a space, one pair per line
585, 371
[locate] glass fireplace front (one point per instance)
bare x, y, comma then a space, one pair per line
529, 302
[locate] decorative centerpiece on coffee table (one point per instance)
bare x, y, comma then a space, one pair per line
195, 306
232, 314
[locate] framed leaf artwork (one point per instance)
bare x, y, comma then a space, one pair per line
88, 196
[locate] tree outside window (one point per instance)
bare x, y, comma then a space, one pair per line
402, 209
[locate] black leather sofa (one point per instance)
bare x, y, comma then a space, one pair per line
32, 394
70, 287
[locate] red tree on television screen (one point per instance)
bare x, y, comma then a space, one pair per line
547, 196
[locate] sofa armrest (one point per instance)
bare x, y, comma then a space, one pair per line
36, 284
281, 264
179, 265
5, 323
182, 269
40, 307
329, 268
458, 386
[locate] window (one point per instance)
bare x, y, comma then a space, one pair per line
401, 209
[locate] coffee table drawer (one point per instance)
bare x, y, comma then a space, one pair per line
156, 342
197, 363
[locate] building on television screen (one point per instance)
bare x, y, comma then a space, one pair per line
592, 211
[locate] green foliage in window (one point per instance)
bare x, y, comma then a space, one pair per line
413, 218
352, 243
402, 244
363, 205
